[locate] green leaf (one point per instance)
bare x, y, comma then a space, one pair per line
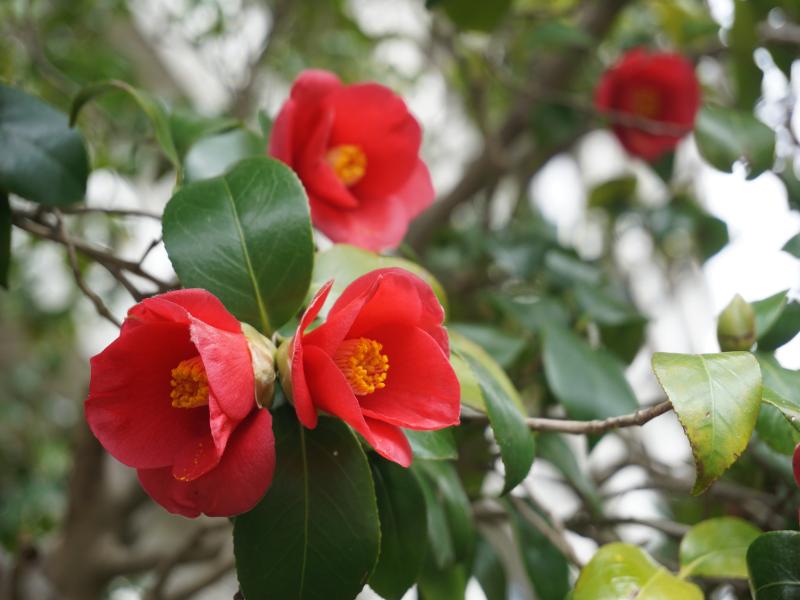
445, 489
717, 548
783, 330
214, 155
793, 246
716, 398
344, 264
614, 194
245, 237
401, 507
774, 564
768, 311
725, 136
743, 40
440, 540
508, 424
488, 569
316, 533
449, 583
783, 386
432, 445
504, 347
601, 390
790, 410
187, 128
554, 449
621, 325
42, 159
623, 571
151, 107
475, 14
5, 239
546, 567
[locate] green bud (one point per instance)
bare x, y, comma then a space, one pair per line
736, 326
262, 356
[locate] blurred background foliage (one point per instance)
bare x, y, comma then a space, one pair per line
221, 68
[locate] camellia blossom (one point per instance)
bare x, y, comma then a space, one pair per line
660, 87
174, 397
356, 150
380, 362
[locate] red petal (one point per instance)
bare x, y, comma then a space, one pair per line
401, 298
417, 192
228, 366
280, 137
195, 459
796, 464
421, 391
300, 393
176, 306
235, 486
377, 120
129, 408
333, 394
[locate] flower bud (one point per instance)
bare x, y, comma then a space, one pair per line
736, 326
262, 356
284, 369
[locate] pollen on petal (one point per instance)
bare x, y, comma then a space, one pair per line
189, 384
363, 364
348, 162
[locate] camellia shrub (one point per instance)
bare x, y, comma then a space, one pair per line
345, 384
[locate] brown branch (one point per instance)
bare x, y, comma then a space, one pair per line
112, 212
99, 305
597, 426
212, 576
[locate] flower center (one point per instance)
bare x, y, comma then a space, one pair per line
646, 102
363, 365
348, 162
189, 384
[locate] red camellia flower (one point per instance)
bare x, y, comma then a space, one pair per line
380, 362
174, 397
660, 87
356, 150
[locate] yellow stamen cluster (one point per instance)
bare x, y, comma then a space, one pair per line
646, 102
348, 162
189, 384
363, 365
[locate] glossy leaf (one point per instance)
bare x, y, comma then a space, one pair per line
439, 537
488, 569
768, 311
316, 533
344, 264
187, 128
725, 136
717, 548
432, 445
42, 158
782, 384
716, 398
215, 154
773, 561
245, 237
601, 390
788, 408
624, 571
448, 583
784, 329
150, 106
401, 507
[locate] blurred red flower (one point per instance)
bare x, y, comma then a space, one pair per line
660, 87
356, 150
173, 396
380, 362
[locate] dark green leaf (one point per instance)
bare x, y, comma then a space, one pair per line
214, 155
554, 449
504, 347
783, 330
245, 237
489, 571
624, 571
151, 107
614, 194
725, 136
782, 384
773, 561
601, 390
187, 128
545, 565
432, 445
448, 491
440, 540
768, 311
793, 246
42, 159
401, 507
508, 425
717, 399
717, 548
5, 239
475, 14
743, 38
449, 583
316, 533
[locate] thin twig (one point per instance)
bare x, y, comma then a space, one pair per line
111, 212
212, 576
556, 538
99, 305
638, 418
